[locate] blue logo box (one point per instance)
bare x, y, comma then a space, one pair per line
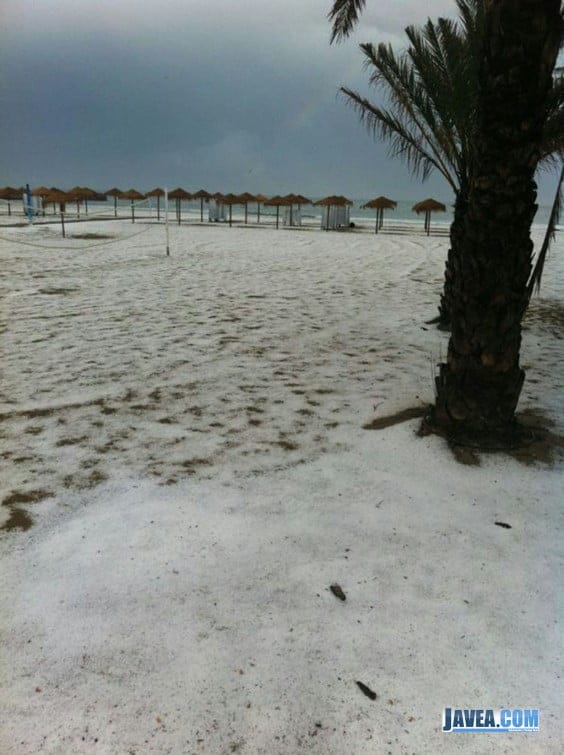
509, 720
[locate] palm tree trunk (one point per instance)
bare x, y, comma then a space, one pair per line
456, 236
479, 386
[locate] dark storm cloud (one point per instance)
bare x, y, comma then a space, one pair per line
227, 95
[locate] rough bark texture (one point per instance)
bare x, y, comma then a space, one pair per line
456, 236
479, 386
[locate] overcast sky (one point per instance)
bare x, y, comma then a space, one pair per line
227, 95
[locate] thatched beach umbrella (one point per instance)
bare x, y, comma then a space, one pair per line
115, 193
55, 190
74, 195
82, 194
278, 202
217, 210
203, 196
134, 196
299, 200
428, 206
334, 220
179, 195
158, 193
57, 197
9, 194
231, 199
87, 194
245, 198
40, 191
380, 204
259, 199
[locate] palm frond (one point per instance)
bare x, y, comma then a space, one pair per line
343, 16
552, 148
536, 275
405, 141
412, 103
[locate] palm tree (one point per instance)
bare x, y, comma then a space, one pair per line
430, 122
478, 388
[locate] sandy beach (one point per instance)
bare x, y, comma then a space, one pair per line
187, 468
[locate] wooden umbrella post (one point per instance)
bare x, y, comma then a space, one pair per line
62, 208
132, 212
166, 224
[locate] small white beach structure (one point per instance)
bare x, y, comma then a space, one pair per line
293, 212
216, 210
336, 212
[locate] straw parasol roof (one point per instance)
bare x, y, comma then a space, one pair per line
259, 199
87, 192
428, 206
297, 199
334, 200
380, 204
56, 197
231, 199
180, 194
80, 193
158, 193
245, 198
278, 202
203, 196
132, 194
40, 191
8, 192
115, 193
293, 199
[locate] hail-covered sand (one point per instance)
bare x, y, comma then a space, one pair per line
185, 437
